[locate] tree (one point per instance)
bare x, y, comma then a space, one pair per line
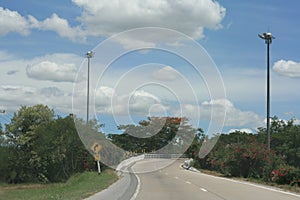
42, 148
25, 121
285, 140
156, 134
20, 134
193, 150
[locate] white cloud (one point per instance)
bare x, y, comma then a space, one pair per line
107, 17
137, 103
104, 18
141, 103
52, 71
287, 68
166, 74
18, 89
214, 109
245, 130
12, 21
60, 26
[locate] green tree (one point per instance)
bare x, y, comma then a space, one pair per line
285, 140
42, 148
20, 134
163, 134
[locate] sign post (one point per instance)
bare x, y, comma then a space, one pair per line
96, 148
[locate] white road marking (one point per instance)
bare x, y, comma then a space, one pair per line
176, 177
188, 182
204, 190
252, 184
137, 187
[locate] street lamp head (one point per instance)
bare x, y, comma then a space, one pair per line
89, 54
267, 37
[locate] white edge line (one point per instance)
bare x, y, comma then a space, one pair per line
254, 185
137, 188
204, 190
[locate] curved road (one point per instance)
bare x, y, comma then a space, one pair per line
174, 183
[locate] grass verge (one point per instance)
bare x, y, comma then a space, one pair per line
79, 186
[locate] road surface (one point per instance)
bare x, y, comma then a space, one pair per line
174, 183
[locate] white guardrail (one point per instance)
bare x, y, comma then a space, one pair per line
125, 163
129, 161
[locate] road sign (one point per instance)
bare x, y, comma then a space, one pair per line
97, 157
96, 148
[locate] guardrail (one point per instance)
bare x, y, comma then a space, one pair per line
164, 156
129, 161
125, 163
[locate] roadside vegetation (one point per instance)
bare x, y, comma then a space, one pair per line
79, 186
43, 153
42, 157
237, 154
245, 155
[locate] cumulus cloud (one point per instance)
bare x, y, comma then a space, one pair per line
51, 92
60, 26
12, 96
52, 71
234, 116
12, 21
142, 103
287, 68
166, 74
245, 130
107, 17
139, 103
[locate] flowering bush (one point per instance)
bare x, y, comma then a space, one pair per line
251, 159
286, 174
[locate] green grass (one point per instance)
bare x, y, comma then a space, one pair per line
79, 186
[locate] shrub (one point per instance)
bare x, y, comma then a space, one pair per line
286, 174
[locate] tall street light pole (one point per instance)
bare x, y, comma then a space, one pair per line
268, 40
89, 55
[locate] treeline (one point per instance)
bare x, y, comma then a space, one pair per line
241, 154
37, 146
237, 154
156, 134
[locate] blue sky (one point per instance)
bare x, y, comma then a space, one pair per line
43, 46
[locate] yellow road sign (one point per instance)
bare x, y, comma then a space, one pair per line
97, 157
96, 148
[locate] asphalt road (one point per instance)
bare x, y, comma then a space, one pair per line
174, 183
124, 189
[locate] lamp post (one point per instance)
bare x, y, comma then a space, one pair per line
268, 40
89, 55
